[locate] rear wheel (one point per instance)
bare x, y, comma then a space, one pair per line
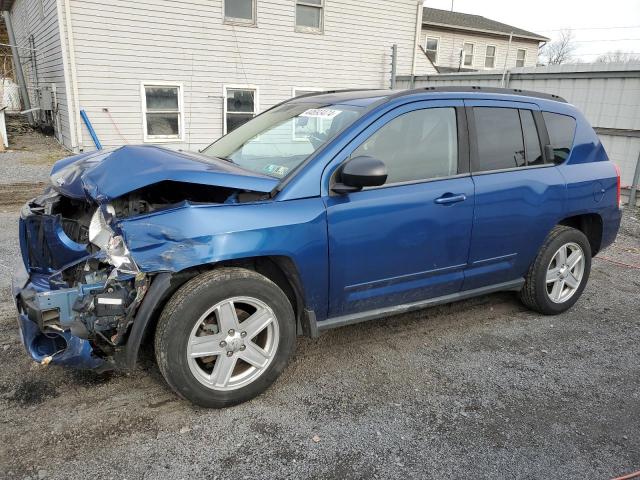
224, 337
560, 272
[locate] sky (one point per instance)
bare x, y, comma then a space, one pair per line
598, 26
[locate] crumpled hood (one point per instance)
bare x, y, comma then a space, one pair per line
105, 175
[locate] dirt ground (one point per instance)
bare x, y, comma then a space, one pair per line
482, 388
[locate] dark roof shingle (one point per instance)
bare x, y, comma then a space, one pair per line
474, 22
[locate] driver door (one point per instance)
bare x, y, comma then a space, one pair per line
407, 240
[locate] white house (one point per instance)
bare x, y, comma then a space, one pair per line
183, 73
455, 41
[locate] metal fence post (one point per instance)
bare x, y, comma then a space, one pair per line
394, 65
634, 184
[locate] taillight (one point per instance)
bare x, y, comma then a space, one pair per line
618, 187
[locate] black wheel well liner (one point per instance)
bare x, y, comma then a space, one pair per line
591, 225
280, 270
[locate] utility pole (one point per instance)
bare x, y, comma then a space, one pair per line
506, 58
394, 65
452, 5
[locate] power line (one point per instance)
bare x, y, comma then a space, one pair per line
580, 54
584, 28
607, 40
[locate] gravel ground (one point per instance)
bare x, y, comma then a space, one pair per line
481, 388
25, 167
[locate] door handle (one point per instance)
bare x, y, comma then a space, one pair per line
450, 198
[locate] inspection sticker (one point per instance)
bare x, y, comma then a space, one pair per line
320, 113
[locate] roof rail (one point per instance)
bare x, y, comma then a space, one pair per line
478, 88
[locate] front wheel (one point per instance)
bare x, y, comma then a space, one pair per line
559, 274
224, 337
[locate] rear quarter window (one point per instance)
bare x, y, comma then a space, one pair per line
561, 129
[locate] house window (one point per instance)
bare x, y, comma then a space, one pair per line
240, 106
240, 11
490, 58
431, 48
520, 57
162, 107
467, 51
309, 14
41, 9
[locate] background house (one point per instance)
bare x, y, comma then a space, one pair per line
456, 41
183, 73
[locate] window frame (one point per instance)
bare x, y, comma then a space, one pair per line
243, 22
437, 50
538, 133
146, 138
495, 55
464, 165
464, 55
543, 136
304, 28
256, 102
541, 122
524, 58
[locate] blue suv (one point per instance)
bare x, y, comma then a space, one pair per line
326, 210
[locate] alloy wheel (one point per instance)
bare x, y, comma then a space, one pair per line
565, 272
233, 343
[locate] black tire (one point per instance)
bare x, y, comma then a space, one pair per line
182, 313
534, 292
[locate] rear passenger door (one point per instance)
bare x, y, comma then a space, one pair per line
519, 193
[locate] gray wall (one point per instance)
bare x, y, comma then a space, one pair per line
121, 44
609, 96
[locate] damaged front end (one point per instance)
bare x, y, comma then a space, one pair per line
78, 289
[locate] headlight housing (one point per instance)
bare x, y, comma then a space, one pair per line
103, 237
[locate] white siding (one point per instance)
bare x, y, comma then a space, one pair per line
120, 44
451, 42
42, 68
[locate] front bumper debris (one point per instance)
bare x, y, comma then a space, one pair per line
48, 346
74, 309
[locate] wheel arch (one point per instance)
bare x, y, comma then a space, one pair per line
281, 270
591, 225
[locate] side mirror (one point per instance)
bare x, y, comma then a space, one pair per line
360, 172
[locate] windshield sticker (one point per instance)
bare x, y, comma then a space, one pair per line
276, 170
320, 113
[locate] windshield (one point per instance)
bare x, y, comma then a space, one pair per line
279, 140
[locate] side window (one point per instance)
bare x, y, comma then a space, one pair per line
500, 143
531, 138
562, 129
418, 145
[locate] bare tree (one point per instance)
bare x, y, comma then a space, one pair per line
617, 56
561, 50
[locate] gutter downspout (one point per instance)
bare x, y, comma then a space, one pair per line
416, 42
17, 65
73, 72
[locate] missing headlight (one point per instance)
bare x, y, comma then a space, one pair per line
102, 236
